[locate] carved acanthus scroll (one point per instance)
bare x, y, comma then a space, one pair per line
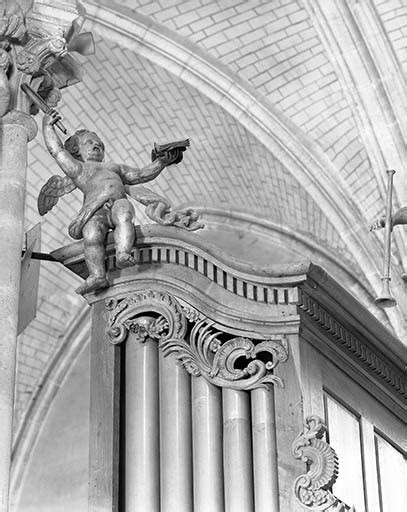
125, 314
313, 489
222, 359
232, 363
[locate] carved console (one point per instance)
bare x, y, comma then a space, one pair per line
313, 489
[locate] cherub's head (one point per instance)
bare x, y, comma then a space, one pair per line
85, 145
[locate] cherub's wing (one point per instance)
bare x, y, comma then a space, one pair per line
53, 189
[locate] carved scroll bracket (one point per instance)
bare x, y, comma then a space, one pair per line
237, 362
126, 315
313, 489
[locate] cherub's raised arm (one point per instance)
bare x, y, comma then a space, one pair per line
65, 160
133, 176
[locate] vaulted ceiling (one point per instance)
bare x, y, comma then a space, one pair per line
294, 108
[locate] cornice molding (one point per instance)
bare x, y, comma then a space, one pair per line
237, 220
369, 357
267, 284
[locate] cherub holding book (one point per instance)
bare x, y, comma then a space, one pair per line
105, 204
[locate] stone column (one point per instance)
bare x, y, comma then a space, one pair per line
32, 38
16, 130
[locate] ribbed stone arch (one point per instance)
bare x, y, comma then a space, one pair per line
301, 155
373, 83
25, 437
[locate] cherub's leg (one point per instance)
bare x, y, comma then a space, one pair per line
94, 234
122, 217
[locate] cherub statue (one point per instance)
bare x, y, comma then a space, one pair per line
106, 205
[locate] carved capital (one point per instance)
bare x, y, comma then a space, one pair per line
12, 22
128, 315
313, 489
35, 41
237, 362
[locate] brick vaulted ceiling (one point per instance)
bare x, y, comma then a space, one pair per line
294, 109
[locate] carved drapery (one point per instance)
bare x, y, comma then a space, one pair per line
313, 489
222, 359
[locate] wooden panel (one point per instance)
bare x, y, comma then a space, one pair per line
104, 445
369, 456
345, 439
392, 476
289, 423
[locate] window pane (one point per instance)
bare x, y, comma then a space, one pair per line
344, 437
392, 477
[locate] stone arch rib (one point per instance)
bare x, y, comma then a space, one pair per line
27, 434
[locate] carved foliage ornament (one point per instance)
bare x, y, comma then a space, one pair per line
313, 489
125, 315
233, 363
225, 361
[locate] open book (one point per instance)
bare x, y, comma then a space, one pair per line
160, 149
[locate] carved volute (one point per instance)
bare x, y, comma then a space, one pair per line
313, 489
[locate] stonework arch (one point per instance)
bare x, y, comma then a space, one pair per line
300, 155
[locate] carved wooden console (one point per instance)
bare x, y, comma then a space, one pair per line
204, 370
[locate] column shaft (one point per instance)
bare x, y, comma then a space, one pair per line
13, 162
